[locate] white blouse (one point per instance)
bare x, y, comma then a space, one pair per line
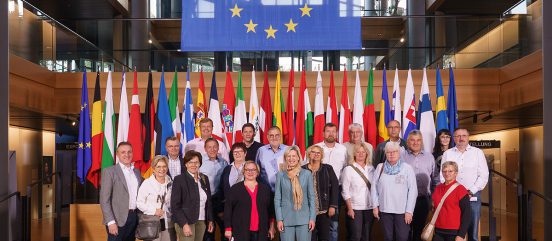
150, 197
355, 188
202, 202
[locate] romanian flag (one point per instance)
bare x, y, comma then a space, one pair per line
385, 114
369, 115
441, 109
201, 104
97, 136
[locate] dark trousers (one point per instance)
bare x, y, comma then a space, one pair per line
322, 228
126, 232
360, 227
253, 236
419, 217
394, 227
211, 236
443, 237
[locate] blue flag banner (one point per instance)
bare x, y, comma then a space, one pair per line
253, 25
452, 111
84, 153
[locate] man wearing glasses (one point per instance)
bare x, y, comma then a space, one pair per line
270, 156
394, 131
473, 174
356, 136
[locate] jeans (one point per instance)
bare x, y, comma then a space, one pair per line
126, 232
473, 229
360, 227
394, 227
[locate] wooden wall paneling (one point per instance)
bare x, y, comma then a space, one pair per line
85, 223
521, 90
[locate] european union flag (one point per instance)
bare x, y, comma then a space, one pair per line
257, 25
84, 153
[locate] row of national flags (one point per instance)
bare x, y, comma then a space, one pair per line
100, 133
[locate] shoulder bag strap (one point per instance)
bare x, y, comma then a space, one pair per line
449, 191
363, 177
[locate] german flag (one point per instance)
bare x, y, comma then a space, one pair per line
148, 129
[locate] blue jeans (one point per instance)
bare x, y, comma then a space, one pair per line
473, 229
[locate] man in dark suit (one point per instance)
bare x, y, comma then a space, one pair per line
118, 192
394, 131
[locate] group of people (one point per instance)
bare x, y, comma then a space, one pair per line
259, 192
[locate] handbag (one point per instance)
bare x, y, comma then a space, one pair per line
429, 229
148, 227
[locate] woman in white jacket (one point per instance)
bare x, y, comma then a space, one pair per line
154, 195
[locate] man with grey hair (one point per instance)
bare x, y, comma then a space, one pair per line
423, 164
473, 174
356, 136
394, 131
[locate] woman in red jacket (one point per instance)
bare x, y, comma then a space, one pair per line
454, 217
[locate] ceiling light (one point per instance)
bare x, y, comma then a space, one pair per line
11, 6
402, 40
150, 42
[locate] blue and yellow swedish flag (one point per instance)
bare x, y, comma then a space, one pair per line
251, 25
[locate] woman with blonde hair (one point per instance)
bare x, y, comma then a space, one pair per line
294, 199
326, 192
154, 196
357, 181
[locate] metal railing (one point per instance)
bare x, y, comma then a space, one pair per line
26, 207
18, 214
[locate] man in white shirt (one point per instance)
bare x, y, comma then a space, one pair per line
118, 192
198, 144
335, 155
473, 174
176, 164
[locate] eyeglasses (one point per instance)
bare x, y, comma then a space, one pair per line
192, 163
315, 152
238, 152
460, 136
250, 170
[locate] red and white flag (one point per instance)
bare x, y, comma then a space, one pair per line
358, 105
319, 119
345, 111
331, 108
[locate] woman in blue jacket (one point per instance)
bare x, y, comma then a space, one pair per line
294, 198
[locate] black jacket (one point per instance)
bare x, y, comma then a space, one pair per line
237, 211
182, 167
328, 186
379, 156
185, 199
223, 189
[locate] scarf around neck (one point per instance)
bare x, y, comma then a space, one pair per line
296, 190
392, 170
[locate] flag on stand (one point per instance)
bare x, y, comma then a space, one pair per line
331, 108
409, 108
451, 107
357, 102
384, 114
304, 116
84, 153
122, 127
265, 115
163, 123
201, 101
319, 119
240, 117
289, 137
214, 111
370, 130
148, 129
173, 108
345, 111
188, 131
135, 127
97, 136
228, 106
254, 107
441, 108
279, 106
108, 151
427, 125
396, 102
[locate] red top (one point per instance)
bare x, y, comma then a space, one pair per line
254, 223
450, 214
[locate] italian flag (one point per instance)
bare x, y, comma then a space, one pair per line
173, 108
370, 113
240, 117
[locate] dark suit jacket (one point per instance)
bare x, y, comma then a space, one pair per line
223, 189
379, 156
237, 211
185, 199
182, 167
328, 186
